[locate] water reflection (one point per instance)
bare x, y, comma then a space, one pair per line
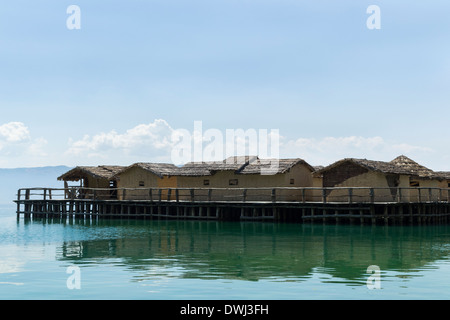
254, 251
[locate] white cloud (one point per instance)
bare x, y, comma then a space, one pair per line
13, 132
153, 142
17, 147
329, 149
147, 140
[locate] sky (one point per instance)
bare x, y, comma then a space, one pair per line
310, 73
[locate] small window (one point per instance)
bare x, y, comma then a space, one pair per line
206, 182
291, 181
233, 182
448, 185
141, 183
414, 183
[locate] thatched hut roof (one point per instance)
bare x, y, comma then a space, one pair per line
379, 166
193, 170
317, 168
444, 174
413, 168
400, 165
99, 172
237, 164
159, 169
240, 165
273, 166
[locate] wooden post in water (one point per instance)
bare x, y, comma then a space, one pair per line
18, 203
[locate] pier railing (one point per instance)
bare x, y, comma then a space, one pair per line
294, 194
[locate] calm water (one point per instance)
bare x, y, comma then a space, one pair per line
212, 260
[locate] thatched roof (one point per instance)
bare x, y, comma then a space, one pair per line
159, 169
444, 174
317, 168
193, 170
243, 165
379, 166
413, 168
400, 165
99, 172
189, 169
210, 167
273, 166
240, 165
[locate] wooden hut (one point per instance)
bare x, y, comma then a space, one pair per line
445, 184
420, 177
247, 172
139, 177
212, 175
282, 173
417, 172
90, 177
385, 177
445, 175
351, 172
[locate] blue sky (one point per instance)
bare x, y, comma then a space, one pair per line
113, 91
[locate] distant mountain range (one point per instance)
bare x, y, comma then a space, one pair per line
12, 180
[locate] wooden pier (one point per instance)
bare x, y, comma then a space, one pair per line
356, 205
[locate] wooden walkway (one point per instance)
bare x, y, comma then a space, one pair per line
357, 205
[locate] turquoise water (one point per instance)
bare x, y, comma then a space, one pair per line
190, 260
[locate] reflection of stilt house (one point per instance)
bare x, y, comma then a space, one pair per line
91, 177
